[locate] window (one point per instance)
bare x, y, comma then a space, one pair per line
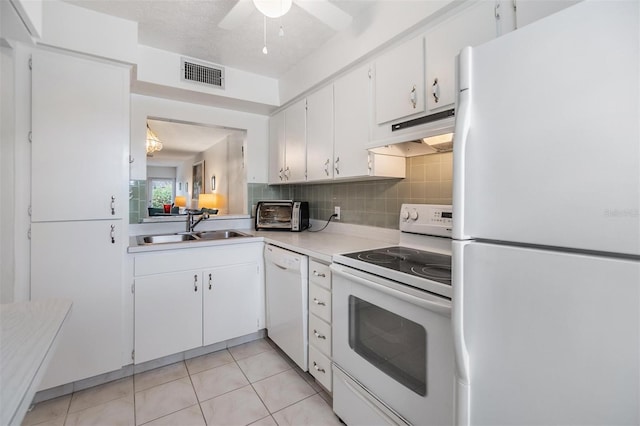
161, 191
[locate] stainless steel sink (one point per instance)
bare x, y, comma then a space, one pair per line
164, 239
187, 237
219, 235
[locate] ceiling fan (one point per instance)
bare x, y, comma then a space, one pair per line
323, 10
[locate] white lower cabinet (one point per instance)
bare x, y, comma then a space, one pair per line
168, 314
230, 302
320, 323
188, 298
83, 262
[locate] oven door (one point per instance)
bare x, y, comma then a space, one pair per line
396, 342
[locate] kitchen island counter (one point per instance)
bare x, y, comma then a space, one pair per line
29, 332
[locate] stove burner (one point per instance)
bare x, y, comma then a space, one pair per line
419, 263
433, 272
377, 257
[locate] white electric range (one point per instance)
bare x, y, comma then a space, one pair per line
392, 340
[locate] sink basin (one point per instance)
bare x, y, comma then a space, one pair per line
187, 237
220, 235
163, 239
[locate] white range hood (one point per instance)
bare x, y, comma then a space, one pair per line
430, 134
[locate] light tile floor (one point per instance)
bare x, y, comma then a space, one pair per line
253, 383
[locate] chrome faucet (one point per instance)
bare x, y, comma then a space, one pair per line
191, 217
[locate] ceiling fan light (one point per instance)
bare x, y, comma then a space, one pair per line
273, 8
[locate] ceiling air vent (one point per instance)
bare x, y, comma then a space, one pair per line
202, 72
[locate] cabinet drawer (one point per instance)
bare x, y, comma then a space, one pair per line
320, 334
320, 302
320, 274
320, 367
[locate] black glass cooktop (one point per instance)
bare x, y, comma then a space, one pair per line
419, 263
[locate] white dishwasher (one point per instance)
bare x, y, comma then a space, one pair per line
287, 301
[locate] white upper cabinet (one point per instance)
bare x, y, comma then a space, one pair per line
80, 149
352, 95
320, 133
295, 136
276, 148
528, 11
399, 82
472, 26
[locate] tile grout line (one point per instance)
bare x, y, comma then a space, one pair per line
196, 393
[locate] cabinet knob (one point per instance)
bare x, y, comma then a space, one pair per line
315, 366
195, 283
413, 97
318, 335
435, 90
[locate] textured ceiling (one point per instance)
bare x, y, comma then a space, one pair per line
190, 27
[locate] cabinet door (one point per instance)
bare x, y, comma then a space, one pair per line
320, 134
79, 262
399, 82
168, 314
295, 137
80, 149
474, 25
352, 95
276, 148
528, 11
232, 300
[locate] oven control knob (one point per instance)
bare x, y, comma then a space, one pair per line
405, 214
413, 215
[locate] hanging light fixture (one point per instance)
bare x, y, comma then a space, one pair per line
153, 143
273, 8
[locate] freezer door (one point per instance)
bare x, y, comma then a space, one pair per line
547, 337
547, 146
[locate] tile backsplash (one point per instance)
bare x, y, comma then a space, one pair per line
372, 203
137, 200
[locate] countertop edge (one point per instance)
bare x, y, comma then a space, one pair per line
29, 337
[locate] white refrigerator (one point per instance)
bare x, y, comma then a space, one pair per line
546, 201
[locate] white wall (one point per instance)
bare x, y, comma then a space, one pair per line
82, 30
215, 163
236, 174
256, 126
7, 195
160, 67
161, 172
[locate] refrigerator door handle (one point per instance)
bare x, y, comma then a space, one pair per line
463, 120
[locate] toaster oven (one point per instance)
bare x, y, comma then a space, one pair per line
282, 215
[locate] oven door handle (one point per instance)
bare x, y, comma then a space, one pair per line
433, 306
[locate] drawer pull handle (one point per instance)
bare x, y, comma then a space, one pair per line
195, 283
318, 335
319, 303
321, 370
318, 274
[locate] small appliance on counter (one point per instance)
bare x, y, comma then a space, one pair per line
283, 215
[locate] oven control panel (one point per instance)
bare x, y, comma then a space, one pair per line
428, 219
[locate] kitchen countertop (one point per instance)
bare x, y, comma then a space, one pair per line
319, 245
28, 332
